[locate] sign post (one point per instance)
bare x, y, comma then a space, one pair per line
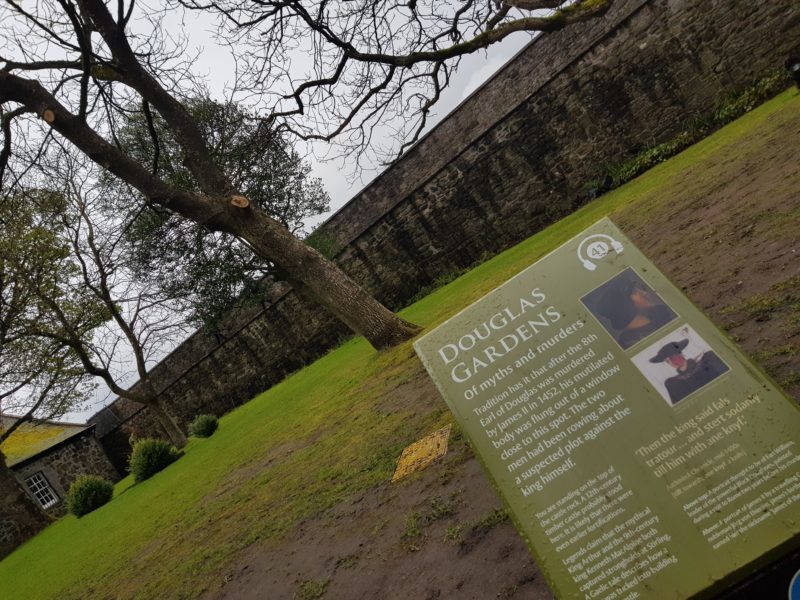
641, 454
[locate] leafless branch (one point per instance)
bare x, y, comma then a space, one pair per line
418, 44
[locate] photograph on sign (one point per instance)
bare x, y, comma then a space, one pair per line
680, 364
628, 308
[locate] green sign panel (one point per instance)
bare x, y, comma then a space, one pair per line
641, 454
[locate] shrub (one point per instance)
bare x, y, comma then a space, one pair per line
87, 493
149, 457
324, 243
653, 155
743, 101
736, 104
203, 426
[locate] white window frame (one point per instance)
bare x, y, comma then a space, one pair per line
42, 490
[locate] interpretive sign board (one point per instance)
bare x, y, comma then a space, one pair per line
641, 454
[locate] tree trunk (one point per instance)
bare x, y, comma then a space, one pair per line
174, 433
20, 516
317, 276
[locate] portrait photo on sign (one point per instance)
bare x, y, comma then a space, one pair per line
679, 364
628, 308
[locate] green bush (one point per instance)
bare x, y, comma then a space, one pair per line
87, 493
149, 457
203, 426
736, 104
742, 101
654, 155
324, 243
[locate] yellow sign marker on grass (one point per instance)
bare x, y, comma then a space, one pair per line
422, 453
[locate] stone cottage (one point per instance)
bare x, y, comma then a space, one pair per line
46, 457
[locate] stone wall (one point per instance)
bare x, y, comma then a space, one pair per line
64, 463
512, 159
19, 519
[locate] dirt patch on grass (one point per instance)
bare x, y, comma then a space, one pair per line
417, 394
725, 231
432, 536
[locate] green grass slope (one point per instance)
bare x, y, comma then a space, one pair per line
303, 446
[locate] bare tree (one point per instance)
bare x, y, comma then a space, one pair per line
40, 378
71, 63
120, 319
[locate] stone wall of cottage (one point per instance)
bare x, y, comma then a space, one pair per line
19, 519
82, 455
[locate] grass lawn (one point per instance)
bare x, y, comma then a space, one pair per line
303, 446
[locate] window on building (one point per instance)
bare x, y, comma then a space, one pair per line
39, 487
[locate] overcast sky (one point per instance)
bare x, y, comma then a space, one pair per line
473, 71
215, 66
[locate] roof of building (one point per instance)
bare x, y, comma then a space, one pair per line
35, 437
